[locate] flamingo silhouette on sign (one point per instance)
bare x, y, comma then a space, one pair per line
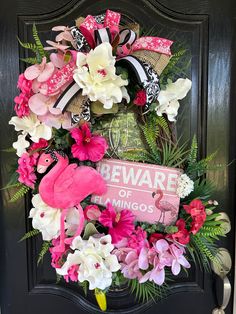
164, 207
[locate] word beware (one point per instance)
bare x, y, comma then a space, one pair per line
149, 191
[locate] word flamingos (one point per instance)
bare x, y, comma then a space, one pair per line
163, 206
65, 186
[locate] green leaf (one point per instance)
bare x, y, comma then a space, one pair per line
84, 286
29, 60
38, 43
29, 46
148, 290
173, 155
30, 234
89, 230
9, 150
22, 190
139, 154
45, 247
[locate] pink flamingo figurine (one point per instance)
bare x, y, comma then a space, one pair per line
65, 186
163, 206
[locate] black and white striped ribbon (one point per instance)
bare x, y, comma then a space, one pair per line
102, 35
65, 98
145, 75
127, 38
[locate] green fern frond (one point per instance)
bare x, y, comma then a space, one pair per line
211, 232
147, 290
38, 43
23, 189
45, 247
192, 157
29, 60
59, 278
29, 46
204, 251
199, 168
11, 186
30, 234
9, 150
138, 155
172, 68
150, 132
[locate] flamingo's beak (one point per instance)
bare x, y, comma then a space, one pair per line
153, 194
41, 168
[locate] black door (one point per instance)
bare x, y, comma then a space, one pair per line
206, 28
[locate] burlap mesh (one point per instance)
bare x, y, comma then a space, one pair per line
79, 21
76, 103
157, 60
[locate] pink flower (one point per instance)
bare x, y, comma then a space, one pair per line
178, 259
57, 121
42, 143
23, 84
64, 35
55, 46
88, 146
120, 224
92, 212
130, 268
57, 256
21, 105
72, 273
197, 211
41, 104
138, 239
41, 72
26, 169
162, 259
140, 98
182, 235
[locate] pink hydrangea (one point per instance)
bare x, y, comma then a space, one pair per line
26, 169
23, 84
21, 105
138, 239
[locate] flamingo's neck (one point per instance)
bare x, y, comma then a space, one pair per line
46, 187
160, 195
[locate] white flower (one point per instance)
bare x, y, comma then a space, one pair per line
47, 219
32, 126
184, 186
96, 263
96, 75
168, 98
20, 145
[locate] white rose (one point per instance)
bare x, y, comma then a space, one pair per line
96, 75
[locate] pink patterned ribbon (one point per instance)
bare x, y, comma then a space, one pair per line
58, 80
89, 25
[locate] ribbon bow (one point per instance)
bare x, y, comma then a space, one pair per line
101, 28
130, 50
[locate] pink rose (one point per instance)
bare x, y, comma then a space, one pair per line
140, 98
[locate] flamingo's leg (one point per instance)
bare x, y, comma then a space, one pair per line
80, 226
159, 220
163, 217
61, 246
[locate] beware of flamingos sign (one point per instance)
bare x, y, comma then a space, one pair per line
149, 191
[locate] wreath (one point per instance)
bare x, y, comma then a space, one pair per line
72, 157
